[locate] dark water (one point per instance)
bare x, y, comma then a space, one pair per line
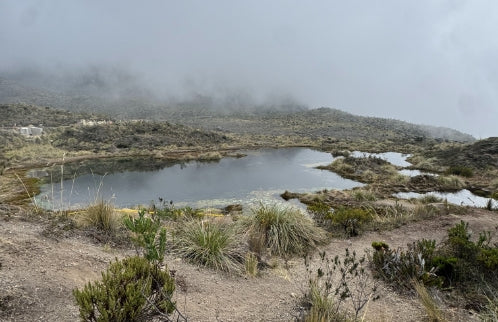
261, 175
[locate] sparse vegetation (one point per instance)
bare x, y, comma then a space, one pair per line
334, 282
459, 262
432, 309
168, 211
134, 288
251, 264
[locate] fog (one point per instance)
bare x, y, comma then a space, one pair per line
427, 62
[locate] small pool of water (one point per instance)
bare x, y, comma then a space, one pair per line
261, 175
414, 173
395, 158
462, 198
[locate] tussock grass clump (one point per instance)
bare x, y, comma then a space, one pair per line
430, 199
282, 231
460, 171
490, 312
364, 195
101, 215
450, 182
431, 308
210, 243
251, 264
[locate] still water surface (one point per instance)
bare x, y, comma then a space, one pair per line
261, 175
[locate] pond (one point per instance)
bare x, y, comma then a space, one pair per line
260, 175
462, 198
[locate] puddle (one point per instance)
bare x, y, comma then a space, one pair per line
395, 158
462, 198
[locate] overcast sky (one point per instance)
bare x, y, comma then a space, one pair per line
425, 61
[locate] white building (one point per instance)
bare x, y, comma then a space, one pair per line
31, 131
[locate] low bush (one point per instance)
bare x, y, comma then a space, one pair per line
131, 289
148, 235
134, 288
334, 282
460, 171
210, 243
282, 231
399, 268
320, 212
351, 220
459, 263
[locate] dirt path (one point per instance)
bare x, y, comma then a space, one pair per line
38, 274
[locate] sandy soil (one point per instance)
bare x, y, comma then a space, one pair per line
39, 270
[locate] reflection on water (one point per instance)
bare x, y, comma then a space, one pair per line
462, 197
258, 176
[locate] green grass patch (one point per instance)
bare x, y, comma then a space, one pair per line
460, 171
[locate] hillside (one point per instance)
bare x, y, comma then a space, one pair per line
233, 114
481, 154
322, 123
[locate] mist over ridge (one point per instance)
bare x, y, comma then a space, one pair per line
424, 63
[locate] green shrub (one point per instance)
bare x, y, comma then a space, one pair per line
379, 246
321, 212
210, 243
148, 235
399, 268
132, 289
351, 220
460, 171
459, 262
282, 231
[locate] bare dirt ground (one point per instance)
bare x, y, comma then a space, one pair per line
39, 271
